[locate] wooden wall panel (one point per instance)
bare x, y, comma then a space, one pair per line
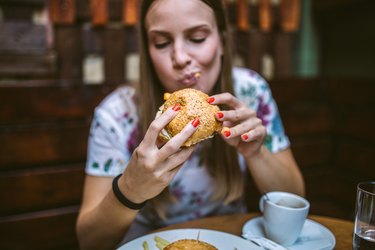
330, 193
41, 188
356, 124
352, 92
305, 119
47, 101
291, 91
283, 54
43, 145
18, 66
330, 123
114, 55
62, 11
312, 151
23, 37
48, 229
99, 12
68, 44
356, 157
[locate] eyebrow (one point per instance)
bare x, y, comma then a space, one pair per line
189, 30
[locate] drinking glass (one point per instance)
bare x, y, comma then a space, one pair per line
364, 224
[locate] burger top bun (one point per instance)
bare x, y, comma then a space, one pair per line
193, 105
190, 244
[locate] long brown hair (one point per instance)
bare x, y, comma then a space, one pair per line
220, 158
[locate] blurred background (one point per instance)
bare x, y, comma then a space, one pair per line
59, 58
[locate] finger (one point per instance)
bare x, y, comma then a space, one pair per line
174, 144
227, 99
256, 134
225, 131
178, 158
226, 134
175, 160
158, 124
172, 173
241, 128
236, 115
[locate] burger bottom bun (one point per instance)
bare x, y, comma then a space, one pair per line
190, 244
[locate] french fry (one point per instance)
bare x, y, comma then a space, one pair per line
145, 245
160, 242
160, 246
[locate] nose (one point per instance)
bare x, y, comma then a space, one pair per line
180, 56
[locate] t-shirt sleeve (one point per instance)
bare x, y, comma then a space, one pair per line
255, 92
112, 137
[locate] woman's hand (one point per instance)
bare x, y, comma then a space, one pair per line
151, 167
241, 127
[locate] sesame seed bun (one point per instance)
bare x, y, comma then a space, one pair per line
190, 244
193, 105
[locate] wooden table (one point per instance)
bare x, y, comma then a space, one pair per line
342, 229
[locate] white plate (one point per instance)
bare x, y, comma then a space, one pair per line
218, 239
314, 236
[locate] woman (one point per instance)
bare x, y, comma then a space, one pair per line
164, 184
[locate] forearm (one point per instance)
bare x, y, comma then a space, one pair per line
104, 226
277, 171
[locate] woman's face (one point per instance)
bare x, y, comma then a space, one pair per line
184, 44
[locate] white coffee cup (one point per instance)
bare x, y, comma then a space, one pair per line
284, 215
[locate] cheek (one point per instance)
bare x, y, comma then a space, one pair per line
156, 58
210, 54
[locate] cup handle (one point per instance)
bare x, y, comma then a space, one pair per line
261, 203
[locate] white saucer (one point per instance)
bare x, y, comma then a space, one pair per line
314, 236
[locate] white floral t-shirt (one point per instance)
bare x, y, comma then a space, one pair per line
115, 134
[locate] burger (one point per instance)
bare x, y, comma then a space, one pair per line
193, 104
189, 244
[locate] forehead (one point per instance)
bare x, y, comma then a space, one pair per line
179, 14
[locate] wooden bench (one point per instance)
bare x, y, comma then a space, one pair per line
43, 132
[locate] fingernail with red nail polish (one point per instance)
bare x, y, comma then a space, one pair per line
245, 137
176, 107
195, 122
210, 99
220, 115
226, 133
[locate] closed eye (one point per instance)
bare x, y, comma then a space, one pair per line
197, 40
161, 45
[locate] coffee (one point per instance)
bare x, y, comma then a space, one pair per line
290, 204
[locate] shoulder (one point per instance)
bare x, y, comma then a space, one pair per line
246, 76
117, 115
118, 97
249, 85
119, 102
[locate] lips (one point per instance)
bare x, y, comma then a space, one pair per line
190, 78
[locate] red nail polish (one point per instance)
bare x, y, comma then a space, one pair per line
176, 107
195, 122
210, 99
226, 133
220, 115
245, 137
